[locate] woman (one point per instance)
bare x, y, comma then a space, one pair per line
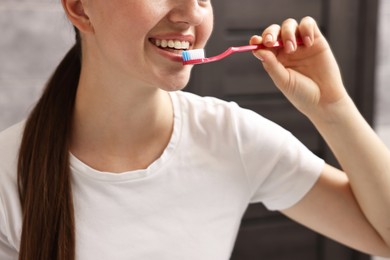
115, 162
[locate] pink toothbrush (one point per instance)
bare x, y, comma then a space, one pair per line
197, 56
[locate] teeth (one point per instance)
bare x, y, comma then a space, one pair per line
174, 44
164, 44
171, 44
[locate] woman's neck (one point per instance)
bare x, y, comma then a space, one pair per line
120, 128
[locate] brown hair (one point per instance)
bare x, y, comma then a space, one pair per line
44, 179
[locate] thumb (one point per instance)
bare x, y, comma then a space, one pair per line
274, 68
278, 73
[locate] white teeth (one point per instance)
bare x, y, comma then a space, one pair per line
174, 44
164, 44
177, 45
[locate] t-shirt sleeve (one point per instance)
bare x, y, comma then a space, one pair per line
279, 168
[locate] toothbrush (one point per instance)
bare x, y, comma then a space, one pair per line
197, 56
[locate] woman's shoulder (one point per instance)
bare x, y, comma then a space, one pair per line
10, 209
197, 106
10, 139
12, 135
196, 99
223, 110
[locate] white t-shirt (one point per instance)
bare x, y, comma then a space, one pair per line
188, 204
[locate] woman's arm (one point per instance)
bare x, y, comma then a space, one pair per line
353, 208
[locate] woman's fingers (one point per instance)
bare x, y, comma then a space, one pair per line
307, 29
288, 33
270, 35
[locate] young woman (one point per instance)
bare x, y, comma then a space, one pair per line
115, 162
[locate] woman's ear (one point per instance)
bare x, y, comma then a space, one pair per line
75, 10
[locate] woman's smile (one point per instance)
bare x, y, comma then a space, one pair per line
172, 46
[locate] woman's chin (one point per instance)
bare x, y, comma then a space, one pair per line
174, 87
176, 83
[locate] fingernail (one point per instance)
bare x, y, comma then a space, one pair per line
289, 46
268, 38
258, 39
261, 58
307, 40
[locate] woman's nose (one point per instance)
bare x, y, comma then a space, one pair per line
187, 12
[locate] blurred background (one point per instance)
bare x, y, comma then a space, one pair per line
35, 35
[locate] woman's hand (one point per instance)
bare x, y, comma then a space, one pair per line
308, 75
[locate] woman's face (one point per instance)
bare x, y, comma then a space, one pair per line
130, 37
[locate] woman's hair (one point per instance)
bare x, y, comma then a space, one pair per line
44, 179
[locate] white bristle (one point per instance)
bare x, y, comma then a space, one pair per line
193, 54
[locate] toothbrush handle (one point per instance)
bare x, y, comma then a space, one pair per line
277, 44
232, 50
246, 48
254, 47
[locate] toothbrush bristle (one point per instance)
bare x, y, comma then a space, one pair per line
193, 54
